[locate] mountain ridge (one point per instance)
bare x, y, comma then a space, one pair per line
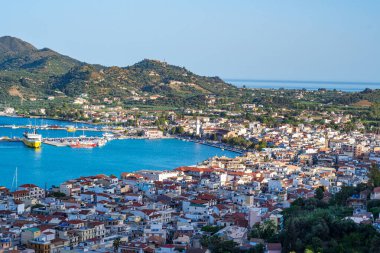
41, 72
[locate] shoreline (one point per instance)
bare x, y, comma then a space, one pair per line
178, 162
340, 86
218, 145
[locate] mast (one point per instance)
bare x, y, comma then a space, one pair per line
15, 181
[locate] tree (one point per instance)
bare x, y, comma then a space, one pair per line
214, 137
37, 206
374, 176
375, 245
267, 230
319, 192
217, 245
116, 244
57, 194
211, 229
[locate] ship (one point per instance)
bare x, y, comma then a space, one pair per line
71, 129
32, 139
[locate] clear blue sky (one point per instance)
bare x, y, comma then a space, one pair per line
298, 40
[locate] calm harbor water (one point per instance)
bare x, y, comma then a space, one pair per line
309, 85
53, 165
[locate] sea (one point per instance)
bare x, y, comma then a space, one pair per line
52, 165
308, 85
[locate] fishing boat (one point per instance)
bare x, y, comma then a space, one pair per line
84, 144
32, 139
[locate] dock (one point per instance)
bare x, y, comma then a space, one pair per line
67, 141
62, 141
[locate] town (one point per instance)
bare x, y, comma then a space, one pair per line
189, 126
182, 210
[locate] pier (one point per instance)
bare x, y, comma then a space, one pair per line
52, 127
64, 141
68, 141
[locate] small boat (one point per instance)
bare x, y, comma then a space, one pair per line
14, 127
102, 142
71, 129
108, 136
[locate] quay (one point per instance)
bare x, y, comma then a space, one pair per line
215, 145
7, 139
62, 141
67, 141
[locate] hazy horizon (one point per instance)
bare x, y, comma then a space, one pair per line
252, 40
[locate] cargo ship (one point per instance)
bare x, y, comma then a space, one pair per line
33, 139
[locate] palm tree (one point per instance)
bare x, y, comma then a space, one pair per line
116, 244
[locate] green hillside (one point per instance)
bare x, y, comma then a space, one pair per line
27, 72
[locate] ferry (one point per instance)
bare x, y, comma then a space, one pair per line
32, 139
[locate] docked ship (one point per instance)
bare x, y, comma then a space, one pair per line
32, 139
71, 129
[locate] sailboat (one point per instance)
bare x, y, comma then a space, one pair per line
83, 135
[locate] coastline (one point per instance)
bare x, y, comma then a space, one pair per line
218, 145
349, 87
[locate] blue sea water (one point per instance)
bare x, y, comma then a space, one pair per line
308, 85
53, 165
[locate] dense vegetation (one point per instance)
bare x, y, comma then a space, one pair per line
317, 225
314, 225
26, 72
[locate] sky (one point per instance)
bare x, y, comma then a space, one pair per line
329, 40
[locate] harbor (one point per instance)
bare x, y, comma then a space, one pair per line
52, 127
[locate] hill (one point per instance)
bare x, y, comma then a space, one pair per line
27, 72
